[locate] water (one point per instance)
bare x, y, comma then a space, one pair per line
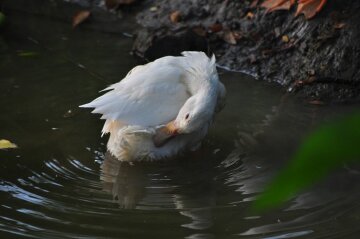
60, 183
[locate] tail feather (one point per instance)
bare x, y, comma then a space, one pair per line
200, 62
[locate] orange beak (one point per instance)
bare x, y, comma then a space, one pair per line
164, 134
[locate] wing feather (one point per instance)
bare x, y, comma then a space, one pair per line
149, 95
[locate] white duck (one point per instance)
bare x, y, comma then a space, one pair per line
162, 108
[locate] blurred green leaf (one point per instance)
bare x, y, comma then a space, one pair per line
2, 18
27, 53
322, 151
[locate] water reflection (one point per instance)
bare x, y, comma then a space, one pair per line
124, 181
192, 195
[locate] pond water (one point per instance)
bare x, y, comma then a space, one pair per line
60, 183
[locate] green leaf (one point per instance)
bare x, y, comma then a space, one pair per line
6, 144
27, 53
2, 18
322, 152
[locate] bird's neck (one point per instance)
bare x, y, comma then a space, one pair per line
205, 98
199, 85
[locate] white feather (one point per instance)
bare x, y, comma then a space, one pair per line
152, 95
157, 101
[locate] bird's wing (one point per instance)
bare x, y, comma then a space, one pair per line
149, 95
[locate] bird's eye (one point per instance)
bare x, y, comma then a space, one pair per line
187, 116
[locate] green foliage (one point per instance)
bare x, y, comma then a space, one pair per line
323, 151
27, 53
2, 18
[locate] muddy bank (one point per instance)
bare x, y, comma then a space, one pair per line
318, 58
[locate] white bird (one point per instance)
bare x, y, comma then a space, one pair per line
162, 108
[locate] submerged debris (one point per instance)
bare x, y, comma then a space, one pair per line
80, 17
6, 144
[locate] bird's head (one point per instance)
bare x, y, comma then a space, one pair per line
198, 110
193, 116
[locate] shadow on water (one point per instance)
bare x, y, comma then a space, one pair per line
60, 183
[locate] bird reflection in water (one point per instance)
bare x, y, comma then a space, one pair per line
124, 181
186, 185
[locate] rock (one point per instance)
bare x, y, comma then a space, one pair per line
152, 46
276, 47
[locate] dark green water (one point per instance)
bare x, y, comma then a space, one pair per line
60, 183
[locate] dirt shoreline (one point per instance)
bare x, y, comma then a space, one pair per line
317, 59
